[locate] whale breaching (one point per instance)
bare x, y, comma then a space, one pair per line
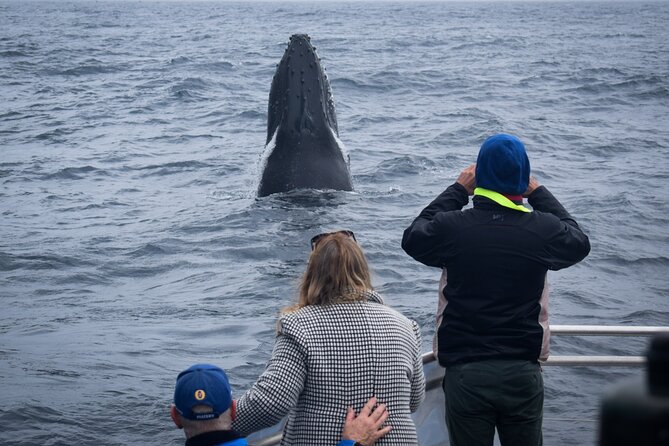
303, 150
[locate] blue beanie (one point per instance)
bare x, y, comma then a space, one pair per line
502, 165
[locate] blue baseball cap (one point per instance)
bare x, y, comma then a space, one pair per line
202, 384
502, 165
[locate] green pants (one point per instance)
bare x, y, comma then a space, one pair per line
503, 394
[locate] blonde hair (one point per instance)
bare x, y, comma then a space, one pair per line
337, 272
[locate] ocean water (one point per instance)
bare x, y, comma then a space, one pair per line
132, 242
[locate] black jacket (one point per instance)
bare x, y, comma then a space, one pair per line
495, 261
217, 438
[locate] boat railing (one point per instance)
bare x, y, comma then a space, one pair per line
593, 330
429, 416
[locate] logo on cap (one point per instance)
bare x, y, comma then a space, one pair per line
200, 395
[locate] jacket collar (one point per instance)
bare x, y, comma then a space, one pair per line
500, 199
487, 204
373, 296
213, 438
366, 295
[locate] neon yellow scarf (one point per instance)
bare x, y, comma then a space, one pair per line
499, 199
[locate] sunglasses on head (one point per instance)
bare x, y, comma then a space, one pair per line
317, 238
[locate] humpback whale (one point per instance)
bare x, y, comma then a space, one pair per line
303, 150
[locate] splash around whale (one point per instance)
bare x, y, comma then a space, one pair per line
303, 150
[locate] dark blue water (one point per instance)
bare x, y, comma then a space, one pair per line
132, 244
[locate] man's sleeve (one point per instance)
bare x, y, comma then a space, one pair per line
566, 243
277, 389
424, 239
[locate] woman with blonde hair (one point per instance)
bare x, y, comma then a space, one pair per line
336, 347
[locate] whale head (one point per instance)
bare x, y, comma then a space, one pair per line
303, 148
300, 97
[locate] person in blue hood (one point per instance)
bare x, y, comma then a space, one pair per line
492, 318
204, 408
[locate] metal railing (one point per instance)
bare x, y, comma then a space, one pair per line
606, 330
434, 373
592, 330
601, 330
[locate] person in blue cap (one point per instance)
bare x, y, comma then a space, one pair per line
492, 317
204, 408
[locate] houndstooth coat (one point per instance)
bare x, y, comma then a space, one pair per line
329, 357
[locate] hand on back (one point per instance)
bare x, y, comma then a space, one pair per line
366, 428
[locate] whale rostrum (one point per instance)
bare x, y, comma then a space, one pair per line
303, 150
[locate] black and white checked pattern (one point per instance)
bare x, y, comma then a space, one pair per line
328, 357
